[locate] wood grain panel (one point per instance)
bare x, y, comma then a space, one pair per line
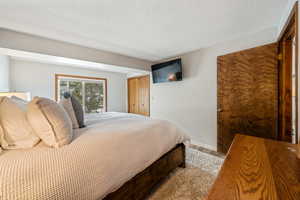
144, 85
139, 95
258, 169
285, 92
247, 94
133, 96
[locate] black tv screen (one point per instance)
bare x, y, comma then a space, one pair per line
167, 72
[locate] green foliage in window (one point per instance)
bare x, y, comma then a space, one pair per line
94, 98
89, 94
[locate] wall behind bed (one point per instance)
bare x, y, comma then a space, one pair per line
38, 78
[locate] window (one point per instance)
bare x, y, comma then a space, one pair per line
89, 91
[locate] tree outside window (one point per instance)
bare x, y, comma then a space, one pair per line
89, 92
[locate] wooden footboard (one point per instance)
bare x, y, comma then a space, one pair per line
141, 185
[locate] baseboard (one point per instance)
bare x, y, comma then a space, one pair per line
206, 146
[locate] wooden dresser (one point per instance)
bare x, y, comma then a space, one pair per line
258, 169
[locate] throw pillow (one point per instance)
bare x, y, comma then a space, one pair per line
17, 132
50, 121
67, 105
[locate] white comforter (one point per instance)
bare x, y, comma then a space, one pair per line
111, 150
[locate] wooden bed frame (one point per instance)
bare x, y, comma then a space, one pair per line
142, 184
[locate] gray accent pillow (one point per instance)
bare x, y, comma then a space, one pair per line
78, 110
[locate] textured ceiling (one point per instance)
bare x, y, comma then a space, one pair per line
147, 29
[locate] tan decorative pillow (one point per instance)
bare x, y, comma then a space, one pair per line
50, 122
1, 132
67, 105
17, 132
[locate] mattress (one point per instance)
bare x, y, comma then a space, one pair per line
111, 150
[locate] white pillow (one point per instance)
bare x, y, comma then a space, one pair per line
67, 105
17, 132
50, 121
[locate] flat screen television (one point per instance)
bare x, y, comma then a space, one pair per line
167, 72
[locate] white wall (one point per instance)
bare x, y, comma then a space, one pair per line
39, 79
192, 103
4, 73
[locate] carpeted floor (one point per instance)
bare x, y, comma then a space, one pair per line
193, 182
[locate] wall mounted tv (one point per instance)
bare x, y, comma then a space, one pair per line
167, 72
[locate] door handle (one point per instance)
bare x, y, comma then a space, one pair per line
220, 110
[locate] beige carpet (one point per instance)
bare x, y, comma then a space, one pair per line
191, 183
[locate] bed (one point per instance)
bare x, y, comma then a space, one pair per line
116, 156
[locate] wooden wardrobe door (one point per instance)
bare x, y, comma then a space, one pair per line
139, 95
248, 94
147, 96
144, 85
133, 99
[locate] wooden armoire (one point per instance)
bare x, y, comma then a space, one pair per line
139, 95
